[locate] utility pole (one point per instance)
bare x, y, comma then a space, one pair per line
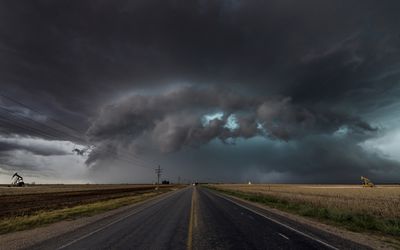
158, 172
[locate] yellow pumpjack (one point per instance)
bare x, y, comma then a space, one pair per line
366, 182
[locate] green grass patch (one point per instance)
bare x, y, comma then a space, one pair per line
20, 223
352, 221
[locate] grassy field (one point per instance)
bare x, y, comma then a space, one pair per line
27, 207
59, 188
20, 201
354, 207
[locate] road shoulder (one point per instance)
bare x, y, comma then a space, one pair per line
314, 227
28, 238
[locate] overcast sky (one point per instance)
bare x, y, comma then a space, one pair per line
235, 91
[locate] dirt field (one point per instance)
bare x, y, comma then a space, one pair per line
17, 201
382, 201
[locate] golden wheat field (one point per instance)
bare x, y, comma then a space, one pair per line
381, 201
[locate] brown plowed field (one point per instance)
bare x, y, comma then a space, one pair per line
17, 201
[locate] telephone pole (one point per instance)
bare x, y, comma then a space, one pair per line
158, 172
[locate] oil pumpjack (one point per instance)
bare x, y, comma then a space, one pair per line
17, 180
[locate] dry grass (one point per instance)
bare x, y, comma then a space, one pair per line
28, 207
57, 188
356, 208
19, 223
20, 201
383, 201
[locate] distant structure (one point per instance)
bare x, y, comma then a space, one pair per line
366, 182
158, 173
165, 182
249, 183
17, 180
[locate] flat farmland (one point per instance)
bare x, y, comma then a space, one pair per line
356, 207
22, 201
383, 201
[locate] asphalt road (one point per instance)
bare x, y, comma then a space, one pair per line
197, 218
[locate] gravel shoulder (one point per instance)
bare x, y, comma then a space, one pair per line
370, 240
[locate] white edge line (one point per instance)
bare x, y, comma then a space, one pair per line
278, 222
284, 236
113, 222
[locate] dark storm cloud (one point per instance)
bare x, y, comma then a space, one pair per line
316, 159
18, 118
35, 147
76, 54
174, 119
6, 146
298, 68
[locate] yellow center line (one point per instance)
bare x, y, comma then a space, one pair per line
192, 221
194, 207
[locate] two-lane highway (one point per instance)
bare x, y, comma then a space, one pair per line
192, 218
224, 225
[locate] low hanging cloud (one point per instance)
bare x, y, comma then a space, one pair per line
190, 117
282, 72
34, 145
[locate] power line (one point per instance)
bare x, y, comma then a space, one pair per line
12, 120
136, 157
41, 133
120, 157
35, 131
158, 172
39, 112
128, 158
61, 133
131, 162
136, 160
45, 134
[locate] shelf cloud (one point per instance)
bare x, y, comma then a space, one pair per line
225, 90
